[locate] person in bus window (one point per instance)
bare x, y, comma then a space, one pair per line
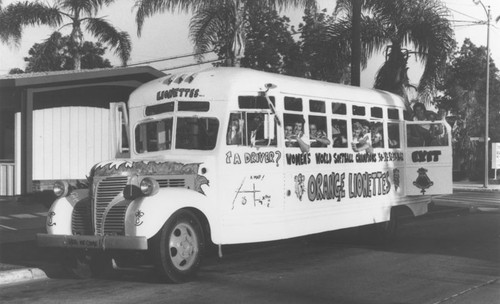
393, 136
302, 139
235, 133
318, 137
361, 140
436, 131
290, 140
418, 135
377, 135
419, 112
339, 133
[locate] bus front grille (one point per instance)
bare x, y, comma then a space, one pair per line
81, 219
107, 190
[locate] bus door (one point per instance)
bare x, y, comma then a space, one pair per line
428, 158
118, 120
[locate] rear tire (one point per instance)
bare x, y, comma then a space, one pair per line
178, 247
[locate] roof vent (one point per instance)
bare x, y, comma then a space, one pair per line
190, 78
180, 78
169, 80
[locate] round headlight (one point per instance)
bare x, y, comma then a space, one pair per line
149, 186
61, 188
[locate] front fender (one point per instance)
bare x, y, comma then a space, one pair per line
60, 213
146, 215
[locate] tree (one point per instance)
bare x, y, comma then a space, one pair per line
464, 95
269, 44
80, 13
54, 55
226, 15
323, 58
421, 26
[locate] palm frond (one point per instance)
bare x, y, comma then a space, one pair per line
89, 7
15, 16
106, 33
212, 25
147, 8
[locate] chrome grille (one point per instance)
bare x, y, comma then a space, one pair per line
106, 191
81, 219
172, 182
115, 220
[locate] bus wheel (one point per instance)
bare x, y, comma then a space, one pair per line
178, 247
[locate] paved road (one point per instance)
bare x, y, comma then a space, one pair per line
20, 221
448, 257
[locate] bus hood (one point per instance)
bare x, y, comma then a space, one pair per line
143, 167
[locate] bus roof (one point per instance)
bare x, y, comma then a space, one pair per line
218, 83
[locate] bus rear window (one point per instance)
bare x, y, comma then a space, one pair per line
254, 102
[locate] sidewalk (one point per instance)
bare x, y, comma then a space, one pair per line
461, 186
35, 263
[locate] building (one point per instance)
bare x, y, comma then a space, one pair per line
55, 125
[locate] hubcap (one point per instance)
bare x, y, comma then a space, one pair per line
183, 246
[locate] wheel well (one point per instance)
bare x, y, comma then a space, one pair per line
402, 212
203, 220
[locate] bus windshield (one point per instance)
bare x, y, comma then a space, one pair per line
194, 133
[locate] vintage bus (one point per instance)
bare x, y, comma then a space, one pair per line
215, 157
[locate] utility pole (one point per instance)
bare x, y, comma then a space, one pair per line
486, 135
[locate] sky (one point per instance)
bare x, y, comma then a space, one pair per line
166, 35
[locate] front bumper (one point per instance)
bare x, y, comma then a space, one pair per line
92, 242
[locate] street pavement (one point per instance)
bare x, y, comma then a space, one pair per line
21, 260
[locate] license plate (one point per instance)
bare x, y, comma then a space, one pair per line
83, 242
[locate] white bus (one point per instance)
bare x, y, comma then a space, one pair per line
210, 162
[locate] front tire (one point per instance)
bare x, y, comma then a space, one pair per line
178, 247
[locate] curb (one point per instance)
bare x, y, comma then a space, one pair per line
21, 275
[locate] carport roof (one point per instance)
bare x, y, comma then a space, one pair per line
141, 73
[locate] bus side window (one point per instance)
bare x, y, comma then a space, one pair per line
256, 129
361, 136
358, 110
318, 131
294, 128
339, 133
438, 135
339, 108
377, 133
249, 129
427, 135
293, 104
393, 133
236, 129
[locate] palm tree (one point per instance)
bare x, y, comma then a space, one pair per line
418, 27
82, 12
214, 16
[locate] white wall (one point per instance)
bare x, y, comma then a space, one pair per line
68, 141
